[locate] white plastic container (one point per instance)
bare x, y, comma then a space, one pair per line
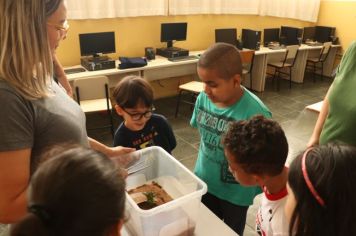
177, 217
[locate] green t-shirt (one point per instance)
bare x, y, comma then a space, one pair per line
211, 166
340, 124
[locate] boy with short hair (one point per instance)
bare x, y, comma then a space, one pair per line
141, 127
224, 100
257, 150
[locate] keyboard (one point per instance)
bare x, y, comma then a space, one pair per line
314, 44
183, 58
277, 47
74, 70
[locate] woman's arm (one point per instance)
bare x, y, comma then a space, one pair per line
14, 181
61, 75
109, 151
314, 139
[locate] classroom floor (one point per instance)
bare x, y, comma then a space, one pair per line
287, 106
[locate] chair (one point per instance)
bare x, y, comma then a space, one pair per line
247, 57
92, 94
317, 63
288, 62
192, 87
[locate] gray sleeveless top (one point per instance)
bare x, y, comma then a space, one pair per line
39, 124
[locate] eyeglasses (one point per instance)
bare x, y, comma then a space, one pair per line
138, 116
64, 27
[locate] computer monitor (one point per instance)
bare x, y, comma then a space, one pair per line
173, 32
96, 43
251, 39
226, 36
324, 33
270, 35
308, 34
290, 35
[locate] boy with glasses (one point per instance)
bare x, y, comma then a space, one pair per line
140, 128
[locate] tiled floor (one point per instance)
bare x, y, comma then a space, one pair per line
287, 106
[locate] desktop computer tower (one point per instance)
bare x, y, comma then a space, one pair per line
93, 64
172, 52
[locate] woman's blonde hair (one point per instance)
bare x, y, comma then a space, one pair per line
25, 56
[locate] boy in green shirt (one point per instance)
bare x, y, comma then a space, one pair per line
224, 100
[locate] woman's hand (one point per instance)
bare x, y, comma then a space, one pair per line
118, 155
314, 140
118, 151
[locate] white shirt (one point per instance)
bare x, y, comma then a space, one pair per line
270, 219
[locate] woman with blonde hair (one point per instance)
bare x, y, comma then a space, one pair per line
35, 112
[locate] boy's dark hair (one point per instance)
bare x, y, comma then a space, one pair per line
331, 170
259, 145
132, 90
76, 192
223, 58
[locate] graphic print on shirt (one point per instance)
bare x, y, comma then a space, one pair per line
146, 139
270, 217
259, 221
213, 127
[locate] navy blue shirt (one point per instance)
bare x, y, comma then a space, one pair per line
157, 132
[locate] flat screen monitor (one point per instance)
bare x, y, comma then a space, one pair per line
270, 35
308, 34
289, 35
226, 36
251, 39
95, 43
323, 33
173, 32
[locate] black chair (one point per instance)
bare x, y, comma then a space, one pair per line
317, 63
247, 57
193, 88
92, 94
288, 62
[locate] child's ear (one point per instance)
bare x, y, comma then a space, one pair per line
259, 180
118, 110
237, 80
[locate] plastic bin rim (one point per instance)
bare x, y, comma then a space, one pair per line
168, 205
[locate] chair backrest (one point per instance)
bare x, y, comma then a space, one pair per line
247, 57
91, 88
325, 51
291, 55
292, 51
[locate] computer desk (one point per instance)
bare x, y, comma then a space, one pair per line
266, 55
161, 68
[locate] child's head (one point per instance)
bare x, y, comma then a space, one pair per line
255, 149
322, 191
220, 68
134, 99
77, 192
